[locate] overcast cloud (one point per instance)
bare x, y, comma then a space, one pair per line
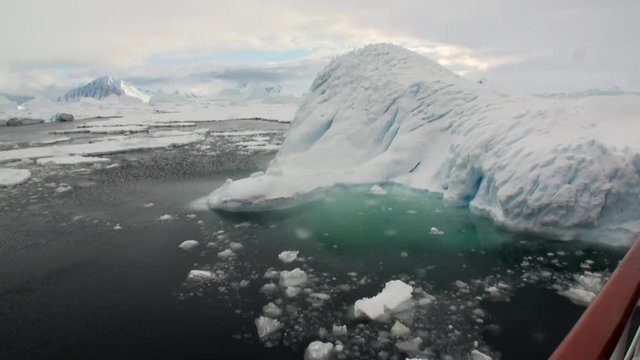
204, 45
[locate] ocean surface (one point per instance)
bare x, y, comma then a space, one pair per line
92, 273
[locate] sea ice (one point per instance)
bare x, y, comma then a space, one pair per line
288, 256
435, 231
318, 350
188, 244
267, 326
377, 190
71, 160
166, 217
293, 278
271, 310
200, 276
477, 355
9, 177
399, 330
226, 254
395, 293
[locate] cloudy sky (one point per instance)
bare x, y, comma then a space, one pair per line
203, 46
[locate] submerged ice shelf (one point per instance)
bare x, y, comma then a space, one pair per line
383, 115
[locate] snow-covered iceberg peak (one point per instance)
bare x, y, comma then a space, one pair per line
106, 86
386, 114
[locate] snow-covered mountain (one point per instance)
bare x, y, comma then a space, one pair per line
566, 168
105, 86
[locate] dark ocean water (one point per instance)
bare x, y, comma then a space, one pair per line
72, 287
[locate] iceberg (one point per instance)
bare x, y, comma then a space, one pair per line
565, 168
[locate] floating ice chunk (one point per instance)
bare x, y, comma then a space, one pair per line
410, 347
148, 205
200, 276
318, 350
117, 227
288, 256
166, 217
292, 291
271, 274
395, 292
377, 190
226, 254
295, 277
236, 246
399, 330
9, 177
267, 326
339, 330
435, 231
404, 254
72, 160
63, 188
269, 288
188, 244
579, 296
320, 296
477, 355
271, 310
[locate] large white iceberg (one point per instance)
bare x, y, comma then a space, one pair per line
562, 168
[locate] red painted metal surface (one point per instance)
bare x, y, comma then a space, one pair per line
595, 335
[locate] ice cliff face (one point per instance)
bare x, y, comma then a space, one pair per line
382, 114
106, 86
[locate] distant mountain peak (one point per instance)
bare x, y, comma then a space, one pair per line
105, 86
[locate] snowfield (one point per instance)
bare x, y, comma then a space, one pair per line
565, 168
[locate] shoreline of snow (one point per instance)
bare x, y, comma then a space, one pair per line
384, 114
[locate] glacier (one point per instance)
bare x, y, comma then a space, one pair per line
562, 168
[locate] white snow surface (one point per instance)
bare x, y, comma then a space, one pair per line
567, 168
9, 176
98, 148
395, 293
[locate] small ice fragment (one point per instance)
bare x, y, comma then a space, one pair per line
63, 188
395, 292
477, 355
271, 274
318, 350
200, 275
339, 330
165, 217
399, 330
288, 256
295, 277
377, 190
117, 227
404, 254
191, 216
435, 231
271, 310
292, 291
411, 212
236, 246
267, 326
320, 296
269, 288
148, 205
188, 244
410, 347
226, 254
